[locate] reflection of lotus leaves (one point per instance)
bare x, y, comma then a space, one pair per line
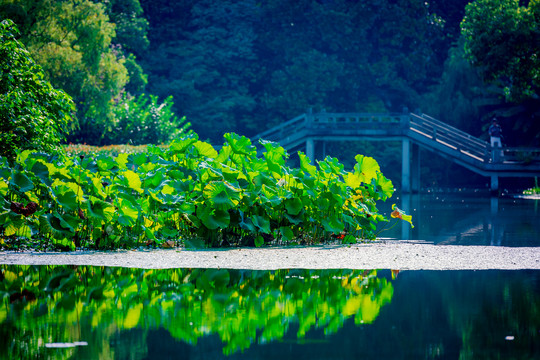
133, 316
242, 307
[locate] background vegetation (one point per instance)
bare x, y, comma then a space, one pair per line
245, 66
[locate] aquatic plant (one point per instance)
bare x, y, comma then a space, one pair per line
188, 192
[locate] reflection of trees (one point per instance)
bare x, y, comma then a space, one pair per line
512, 311
484, 307
95, 304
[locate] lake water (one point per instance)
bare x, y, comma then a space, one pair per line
68, 312
467, 218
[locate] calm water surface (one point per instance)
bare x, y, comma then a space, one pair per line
83, 312
467, 219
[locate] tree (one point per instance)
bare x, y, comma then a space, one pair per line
503, 40
131, 37
209, 70
85, 53
33, 115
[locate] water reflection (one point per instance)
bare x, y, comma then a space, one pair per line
106, 313
462, 219
113, 313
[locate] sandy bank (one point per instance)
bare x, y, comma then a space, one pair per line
398, 255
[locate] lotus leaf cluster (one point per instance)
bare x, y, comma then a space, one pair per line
190, 193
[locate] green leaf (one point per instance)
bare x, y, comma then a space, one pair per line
353, 180
72, 221
333, 224
366, 168
213, 218
221, 196
133, 180
105, 163
259, 241
305, 165
293, 219
269, 194
180, 146
187, 208
385, 185
3, 188
286, 233
23, 155
210, 172
239, 144
56, 225
21, 181
262, 223
205, 149
293, 206
194, 243
99, 209
66, 197
121, 160
331, 165
274, 152
137, 159
41, 171
128, 213
349, 239
247, 224
22, 231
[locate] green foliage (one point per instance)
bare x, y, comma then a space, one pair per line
143, 120
33, 114
244, 66
85, 48
461, 94
188, 191
75, 150
502, 39
131, 26
242, 308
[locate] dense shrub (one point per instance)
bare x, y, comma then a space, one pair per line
144, 120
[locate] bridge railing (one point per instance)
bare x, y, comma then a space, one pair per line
520, 155
342, 119
291, 131
472, 147
281, 131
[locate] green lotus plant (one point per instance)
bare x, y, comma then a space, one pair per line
188, 192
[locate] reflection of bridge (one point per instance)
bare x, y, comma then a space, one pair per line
412, 130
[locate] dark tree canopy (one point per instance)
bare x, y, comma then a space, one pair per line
503, 40
246, 65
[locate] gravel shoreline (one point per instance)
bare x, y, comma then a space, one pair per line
396, 255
